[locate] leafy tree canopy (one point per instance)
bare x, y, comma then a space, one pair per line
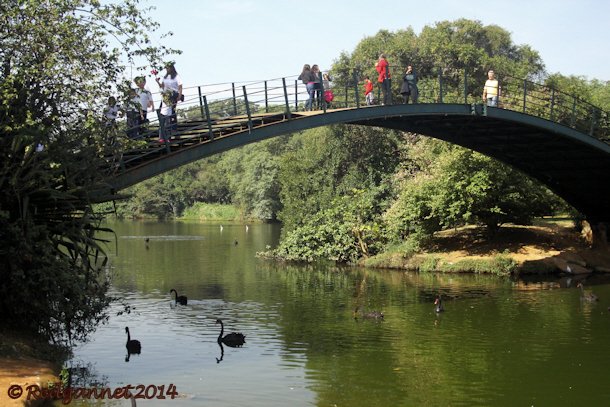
449, 46
59, 61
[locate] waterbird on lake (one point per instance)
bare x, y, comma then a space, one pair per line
234, 339
586, 295
247, 228
367, 314
133, 345
146, 241
221, 228
439, 304
179, 298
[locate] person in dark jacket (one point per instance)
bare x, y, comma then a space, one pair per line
409, 86
308, 79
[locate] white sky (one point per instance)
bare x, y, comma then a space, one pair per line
243, 40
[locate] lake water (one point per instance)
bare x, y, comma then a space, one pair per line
499, 342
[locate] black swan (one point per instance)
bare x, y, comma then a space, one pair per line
133, 345
439, 304
367, 315
179, 298
234, 340
586, 295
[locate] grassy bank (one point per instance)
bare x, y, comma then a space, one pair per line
549, 246
214, 212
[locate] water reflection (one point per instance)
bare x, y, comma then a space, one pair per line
304, 347
222, 352
438, 304
372, 315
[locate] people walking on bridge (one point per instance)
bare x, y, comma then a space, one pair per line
491, 90
112, 111
308, 80
172, 83
329, 95
383, 69
368, 91
146, 100
165, 113
409, 86
315, 70
133, 113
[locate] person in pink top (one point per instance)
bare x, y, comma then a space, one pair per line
383, 68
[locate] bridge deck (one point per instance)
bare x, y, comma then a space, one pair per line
550, 136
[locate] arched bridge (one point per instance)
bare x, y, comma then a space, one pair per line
551, 136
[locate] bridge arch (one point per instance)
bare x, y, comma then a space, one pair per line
572, 164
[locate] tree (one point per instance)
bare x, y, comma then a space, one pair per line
347, 229
461, 186
59, 61
449, 47
332, 161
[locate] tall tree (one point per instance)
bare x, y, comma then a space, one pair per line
59, 61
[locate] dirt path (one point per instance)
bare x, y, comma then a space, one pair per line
22, 372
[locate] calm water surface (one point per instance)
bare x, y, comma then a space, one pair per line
499, 342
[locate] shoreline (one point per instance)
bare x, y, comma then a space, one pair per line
549, 247
26, 361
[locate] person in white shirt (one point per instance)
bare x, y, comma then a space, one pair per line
112, 111
172, 83
146, 99
491, 90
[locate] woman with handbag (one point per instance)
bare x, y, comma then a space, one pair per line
172, 83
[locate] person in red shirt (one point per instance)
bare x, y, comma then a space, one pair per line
368, 91
383, 68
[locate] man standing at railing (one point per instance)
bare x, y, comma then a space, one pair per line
383, 68
491, 90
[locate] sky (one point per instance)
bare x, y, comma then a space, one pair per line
227, 41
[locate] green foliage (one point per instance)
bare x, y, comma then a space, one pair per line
461, 187
253, 177
448, 47
246, 177
333, 192
345, 231
58, 67
500, 264
212, 212
332, 161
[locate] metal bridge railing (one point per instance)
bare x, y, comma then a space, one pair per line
206, 107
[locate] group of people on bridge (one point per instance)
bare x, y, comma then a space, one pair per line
140, 101
409, 90
317, 86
